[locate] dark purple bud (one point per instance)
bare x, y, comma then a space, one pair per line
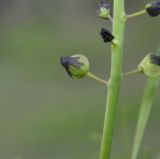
106, 35
153, 8
103, 4
67, 61
155, 59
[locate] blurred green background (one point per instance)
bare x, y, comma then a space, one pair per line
46, 115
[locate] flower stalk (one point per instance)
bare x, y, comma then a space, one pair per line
115, 79
136, 14
147, 101
133, 72
145, 110
93, 76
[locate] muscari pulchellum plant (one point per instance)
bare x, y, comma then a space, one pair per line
77, 67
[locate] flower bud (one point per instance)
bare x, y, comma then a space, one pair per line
153, 8
104, 10
106, 35
150, 65
77, 66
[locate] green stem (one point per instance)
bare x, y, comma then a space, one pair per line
145, 110
91, 75
95, 77
144, 113
132, 72
136, 14
115, 79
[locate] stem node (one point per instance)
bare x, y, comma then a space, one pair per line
115, 43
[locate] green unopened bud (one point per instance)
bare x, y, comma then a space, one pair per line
77, 66
104, 10
104, 13
150, 65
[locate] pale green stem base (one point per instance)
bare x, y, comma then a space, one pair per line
136, 14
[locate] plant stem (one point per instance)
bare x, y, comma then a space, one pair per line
91, 75
136, 14
95, 77
132, 72
144, 113
115, 79
145, 109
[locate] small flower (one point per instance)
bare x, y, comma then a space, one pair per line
153, 8
104, 9
106, 35
77, 66
150, 65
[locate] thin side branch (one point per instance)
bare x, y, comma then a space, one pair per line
136, 14
93, 76
133, 72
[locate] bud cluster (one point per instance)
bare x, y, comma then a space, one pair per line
77, 66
